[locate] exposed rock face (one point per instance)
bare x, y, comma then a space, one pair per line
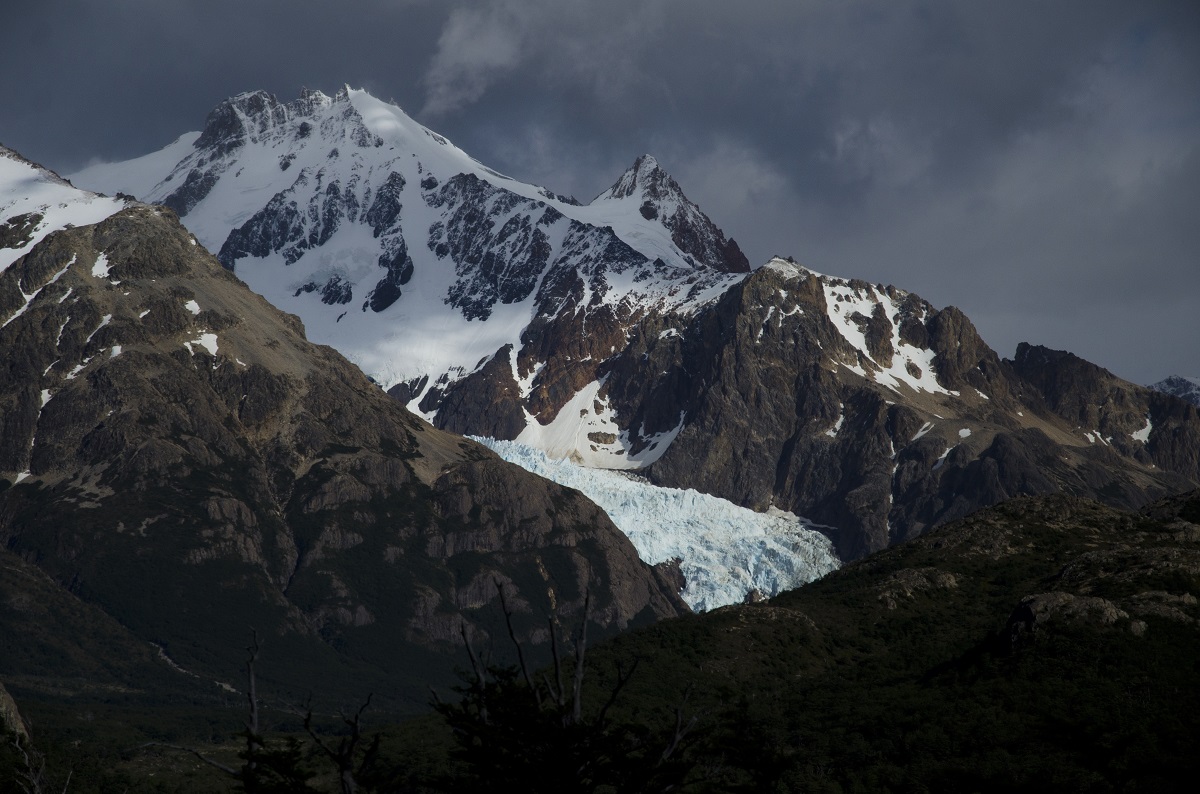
17, 231
1138, 423
175, 451
495, 402
303, 217
10, 717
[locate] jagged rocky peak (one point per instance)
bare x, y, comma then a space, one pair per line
253, 115
884, 334
1186, 389
275, 130
645, 178
1060, 376
225, 129
660, 198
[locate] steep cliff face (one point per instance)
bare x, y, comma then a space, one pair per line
883, 416
176, 452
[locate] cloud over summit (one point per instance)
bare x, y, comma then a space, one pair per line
1035, 164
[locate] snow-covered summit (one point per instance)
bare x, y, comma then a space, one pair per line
415, 260
644, 179
659, 198
1184, 388
351, 131
789, 268
35, 201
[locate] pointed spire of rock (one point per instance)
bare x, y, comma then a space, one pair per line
661, 198
645, 176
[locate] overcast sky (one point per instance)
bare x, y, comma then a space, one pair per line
1035, 163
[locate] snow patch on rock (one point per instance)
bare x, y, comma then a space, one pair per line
585, 431
847, 306
206, 340
101, 268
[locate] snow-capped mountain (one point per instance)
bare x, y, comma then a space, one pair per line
402, 251
627, 334
1179, 386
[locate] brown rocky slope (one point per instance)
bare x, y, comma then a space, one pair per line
175, 451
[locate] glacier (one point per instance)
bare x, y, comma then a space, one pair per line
725, 551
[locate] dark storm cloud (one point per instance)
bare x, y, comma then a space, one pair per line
116, 78
1034, 163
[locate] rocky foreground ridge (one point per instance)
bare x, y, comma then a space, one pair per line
1047, 643
176, 453
627, 333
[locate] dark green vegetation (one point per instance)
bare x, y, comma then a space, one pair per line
1044, 644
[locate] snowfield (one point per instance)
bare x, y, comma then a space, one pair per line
30, 189
725, 551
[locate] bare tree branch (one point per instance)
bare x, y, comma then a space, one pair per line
476, 667
622, 680
543, 737
580, 650
557, 693
512, 635
480, 684
254, 745
681, 730
343, 756
29, 778
251, 684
